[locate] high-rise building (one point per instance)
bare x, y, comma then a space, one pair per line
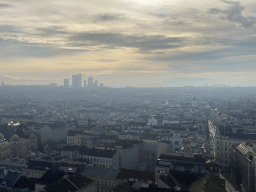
90, 82
95, 83
79, 80
66, 82
101, 85
84, 83
76, 80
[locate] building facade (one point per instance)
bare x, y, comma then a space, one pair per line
243, 165
66, 82
76, 80
22, 142
5, 148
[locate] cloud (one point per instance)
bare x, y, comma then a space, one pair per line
232, 49
179, 67
109, 17
2, 5
52, 30
234, 14
113, 40
107, 60
13, 49
8, 28
8, 77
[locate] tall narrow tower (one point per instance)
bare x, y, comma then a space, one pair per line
90, 82
76, 80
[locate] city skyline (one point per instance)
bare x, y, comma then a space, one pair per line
129, 43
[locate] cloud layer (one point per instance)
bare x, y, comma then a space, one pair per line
182, 39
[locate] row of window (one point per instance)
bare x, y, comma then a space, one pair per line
218, 148
147, 154
221, 155
105, 183
98, 160
221, 161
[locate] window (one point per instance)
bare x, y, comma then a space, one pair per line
218, 142
176, 142
218, 148
153, 154
225, 148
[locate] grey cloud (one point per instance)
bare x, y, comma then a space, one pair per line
160, 15
118, 40
8, 28
12, 49
214, 11
4, 5
5, 77
109, 17
107, 60
209, 55
52, 30
175, 23
179, 67
234, 14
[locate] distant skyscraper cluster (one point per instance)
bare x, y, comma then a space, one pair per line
77, 82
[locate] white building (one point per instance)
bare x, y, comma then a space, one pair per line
53, 131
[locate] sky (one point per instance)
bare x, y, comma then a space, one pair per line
140, 43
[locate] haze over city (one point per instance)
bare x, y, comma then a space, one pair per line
129, 43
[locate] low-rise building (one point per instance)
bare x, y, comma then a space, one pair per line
37, 169
243, 165
73, 183
53, 131
195, 163
23, 141
5, 148
74, 137
148, 155
105, 177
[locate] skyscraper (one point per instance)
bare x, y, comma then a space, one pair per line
76, 80
66, 82
79, 80
95, 83
90, 82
